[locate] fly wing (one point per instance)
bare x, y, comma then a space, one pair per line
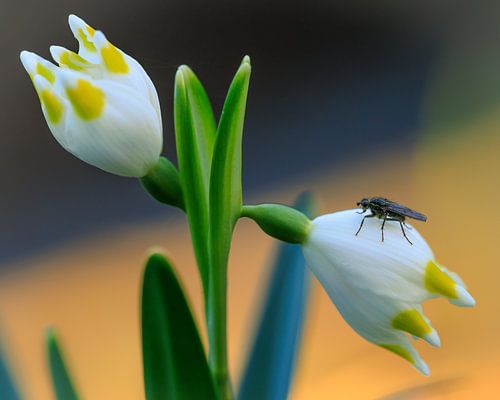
407, 212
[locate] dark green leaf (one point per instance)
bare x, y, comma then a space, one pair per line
175, 365
195, 136
61, 379
8, 389
271, 361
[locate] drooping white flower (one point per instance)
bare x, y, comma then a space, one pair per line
378, 287
99, 104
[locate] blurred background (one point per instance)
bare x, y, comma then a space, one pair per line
347, 99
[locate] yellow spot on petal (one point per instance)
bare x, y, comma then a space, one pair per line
53, 107
73, 61
114, 60
399, 350
45, 72
82, 38
411, 321
91, 31
87, 100
439, 282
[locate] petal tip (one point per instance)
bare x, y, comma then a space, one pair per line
75, 22
433, 339
56, 52
464, 298
28, 59
422, 367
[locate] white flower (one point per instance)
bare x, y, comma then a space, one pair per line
378, 286
100, 104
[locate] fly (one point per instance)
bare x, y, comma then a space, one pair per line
388, 211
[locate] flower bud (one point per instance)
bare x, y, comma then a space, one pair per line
99, 104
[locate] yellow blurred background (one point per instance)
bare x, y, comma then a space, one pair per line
95, 303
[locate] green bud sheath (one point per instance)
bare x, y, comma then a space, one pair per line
162, 182
280, 221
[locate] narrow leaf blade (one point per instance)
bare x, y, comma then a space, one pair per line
61, 379
225, 179
195, 132
270, 365
175, 365
8, 390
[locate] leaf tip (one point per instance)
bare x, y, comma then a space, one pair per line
50, 335
156, 254
245, 66
180, 74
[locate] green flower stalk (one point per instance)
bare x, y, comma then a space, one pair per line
281, 222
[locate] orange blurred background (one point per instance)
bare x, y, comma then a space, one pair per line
444, 161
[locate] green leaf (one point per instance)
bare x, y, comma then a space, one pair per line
225, 179
195, 136
225, 207
8, 390
61, 379
175, 365
271, 361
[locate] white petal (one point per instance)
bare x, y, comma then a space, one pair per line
36, 65
135, 77
58, 129
464, 298
83, 33
125, 140
392, 269
68, 59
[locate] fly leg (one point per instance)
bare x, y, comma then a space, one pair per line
363, 221
383, 224
404, 233
401, 223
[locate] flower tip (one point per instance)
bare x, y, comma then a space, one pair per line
422, 367
56, 52
433, 338
75, 22
28, 59
464, 299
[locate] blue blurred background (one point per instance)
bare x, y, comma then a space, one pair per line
343, 79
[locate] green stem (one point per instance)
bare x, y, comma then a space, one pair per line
217, 331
